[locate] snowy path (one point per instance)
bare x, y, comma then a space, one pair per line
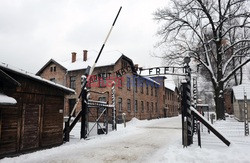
148, 141
139, 142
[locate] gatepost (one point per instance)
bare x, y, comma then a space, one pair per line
246, 115
187, 133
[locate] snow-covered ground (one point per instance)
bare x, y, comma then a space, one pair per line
148, 141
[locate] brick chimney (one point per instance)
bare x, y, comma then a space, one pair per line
85, 55
73, 57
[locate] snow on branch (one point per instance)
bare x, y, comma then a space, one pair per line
234, 56
234, 70
234, 44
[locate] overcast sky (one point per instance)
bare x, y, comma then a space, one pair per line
34, 31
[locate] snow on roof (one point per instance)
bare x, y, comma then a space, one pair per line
33, 76
169, 83
151, 80
239, 91
106, 58
170, 86
6, 100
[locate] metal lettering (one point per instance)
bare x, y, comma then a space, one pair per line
157, 71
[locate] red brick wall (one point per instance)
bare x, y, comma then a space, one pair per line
121, 91
59, 74
228, 101
172, 103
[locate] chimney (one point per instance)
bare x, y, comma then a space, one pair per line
85, 55
136, 67
73, 57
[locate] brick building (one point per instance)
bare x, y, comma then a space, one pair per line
228, 97
136, 95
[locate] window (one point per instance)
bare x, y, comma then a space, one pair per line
136, 84
156, 107
53, 68
102, 99
53, 79
124, 64
152, 107
141, 87
136, 106
147, 106
128, 83
142, 106
129, 105
73, 82
147, 88
120, 104
152, 90
101, 109
102, 82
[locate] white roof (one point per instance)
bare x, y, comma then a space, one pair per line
6, 100
239, 91
151, 80
169, 83
106, 58
33, 76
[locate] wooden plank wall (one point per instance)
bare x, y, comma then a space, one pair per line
30, 126
52, 133
9, 129
35, 121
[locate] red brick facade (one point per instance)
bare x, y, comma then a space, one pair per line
137, 96
228, 93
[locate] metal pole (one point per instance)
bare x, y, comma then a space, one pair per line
188, 104
103, 45
246, 114
183, 113
66, 134
114, 109
84, 115
91, 69
199, 134
97, 58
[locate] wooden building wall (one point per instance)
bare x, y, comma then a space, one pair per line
36, 121
239, 110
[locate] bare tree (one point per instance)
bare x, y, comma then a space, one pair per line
207, 24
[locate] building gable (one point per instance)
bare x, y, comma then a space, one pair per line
240, 90
48, 64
